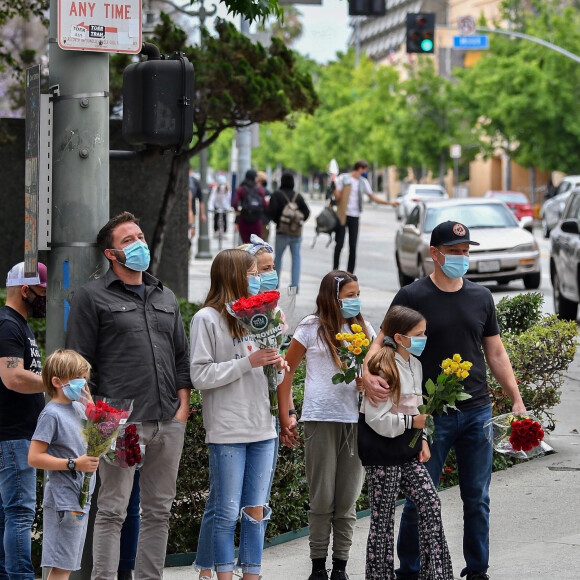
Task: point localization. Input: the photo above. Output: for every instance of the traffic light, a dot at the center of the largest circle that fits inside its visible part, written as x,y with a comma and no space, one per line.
421,32
158,102
367,7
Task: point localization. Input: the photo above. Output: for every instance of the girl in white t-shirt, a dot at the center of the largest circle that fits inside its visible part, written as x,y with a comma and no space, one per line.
385,433
329,416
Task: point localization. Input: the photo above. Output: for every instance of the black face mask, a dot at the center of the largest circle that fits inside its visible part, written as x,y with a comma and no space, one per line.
38,305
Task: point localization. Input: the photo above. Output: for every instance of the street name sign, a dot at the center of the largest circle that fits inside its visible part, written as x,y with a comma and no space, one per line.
99,26
471,42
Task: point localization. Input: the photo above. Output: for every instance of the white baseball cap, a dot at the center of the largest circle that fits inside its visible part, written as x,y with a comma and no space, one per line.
16,276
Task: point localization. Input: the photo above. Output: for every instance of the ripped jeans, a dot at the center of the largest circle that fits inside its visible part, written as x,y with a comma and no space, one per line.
239,475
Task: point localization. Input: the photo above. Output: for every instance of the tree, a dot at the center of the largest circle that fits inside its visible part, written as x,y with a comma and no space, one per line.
237,83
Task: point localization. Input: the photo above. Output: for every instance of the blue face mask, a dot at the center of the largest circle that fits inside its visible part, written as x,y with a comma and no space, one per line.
137,256
364,174
417,344
253,285
73,389
269,281
454,266
350,307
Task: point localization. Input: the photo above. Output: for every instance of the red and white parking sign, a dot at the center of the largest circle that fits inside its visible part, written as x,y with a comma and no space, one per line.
100,25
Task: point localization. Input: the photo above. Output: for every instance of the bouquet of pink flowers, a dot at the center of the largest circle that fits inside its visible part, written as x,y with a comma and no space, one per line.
262,319
103,418
126,450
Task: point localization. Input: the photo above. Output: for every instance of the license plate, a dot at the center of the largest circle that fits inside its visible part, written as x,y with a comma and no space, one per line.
489,266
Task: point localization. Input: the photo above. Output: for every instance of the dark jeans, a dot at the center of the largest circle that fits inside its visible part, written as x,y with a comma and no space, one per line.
463,432
130,529
352,225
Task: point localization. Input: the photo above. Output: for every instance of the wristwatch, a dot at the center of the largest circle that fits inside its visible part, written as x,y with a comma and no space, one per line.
71,464
292,412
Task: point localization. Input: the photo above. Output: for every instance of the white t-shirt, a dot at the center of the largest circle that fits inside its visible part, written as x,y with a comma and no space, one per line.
352,208
324,401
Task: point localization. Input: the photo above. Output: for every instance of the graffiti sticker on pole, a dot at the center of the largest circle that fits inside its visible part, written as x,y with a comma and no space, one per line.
100,26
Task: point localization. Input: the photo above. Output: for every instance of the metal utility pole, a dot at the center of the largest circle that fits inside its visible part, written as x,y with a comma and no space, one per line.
244,134
79,83
203,246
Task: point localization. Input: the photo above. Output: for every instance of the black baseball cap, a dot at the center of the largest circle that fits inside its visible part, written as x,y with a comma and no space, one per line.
449,234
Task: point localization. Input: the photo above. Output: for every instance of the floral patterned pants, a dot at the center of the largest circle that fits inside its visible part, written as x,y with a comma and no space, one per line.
384,483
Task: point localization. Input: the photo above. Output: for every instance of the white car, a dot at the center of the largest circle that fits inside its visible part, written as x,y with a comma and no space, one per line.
553,207
415,193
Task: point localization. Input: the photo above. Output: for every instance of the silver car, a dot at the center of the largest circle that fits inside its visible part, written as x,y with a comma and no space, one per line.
418,192
506,251
552,209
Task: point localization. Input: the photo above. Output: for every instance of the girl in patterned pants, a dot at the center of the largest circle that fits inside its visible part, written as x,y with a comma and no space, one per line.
384,435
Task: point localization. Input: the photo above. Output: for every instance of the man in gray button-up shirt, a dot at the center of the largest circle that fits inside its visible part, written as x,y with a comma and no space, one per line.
128,326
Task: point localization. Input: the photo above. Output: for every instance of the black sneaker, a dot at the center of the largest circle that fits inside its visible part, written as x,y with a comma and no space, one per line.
477,576
319,575
338,575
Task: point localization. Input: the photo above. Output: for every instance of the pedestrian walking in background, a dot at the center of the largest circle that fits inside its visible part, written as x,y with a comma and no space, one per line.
329,416
21,401
219,202
262,180
288,210
350,188
461,318
128,326
227,366
58,447
249,203
392,465
194,198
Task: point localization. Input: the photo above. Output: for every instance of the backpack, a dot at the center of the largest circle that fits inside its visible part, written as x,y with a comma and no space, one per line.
252,206
326,223
291,218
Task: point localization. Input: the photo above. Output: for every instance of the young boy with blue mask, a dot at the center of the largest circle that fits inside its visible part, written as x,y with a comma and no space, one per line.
58,447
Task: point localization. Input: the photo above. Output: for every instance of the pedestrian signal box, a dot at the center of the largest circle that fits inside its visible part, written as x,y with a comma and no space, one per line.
421,32
367,7
158,102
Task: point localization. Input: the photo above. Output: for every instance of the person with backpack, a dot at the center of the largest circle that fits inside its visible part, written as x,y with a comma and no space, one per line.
288,210
249,203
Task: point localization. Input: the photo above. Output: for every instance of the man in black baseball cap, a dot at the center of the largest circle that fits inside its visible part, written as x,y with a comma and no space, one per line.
449,234
461,319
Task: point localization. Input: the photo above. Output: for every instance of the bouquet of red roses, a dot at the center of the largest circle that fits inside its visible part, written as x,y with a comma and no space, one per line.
100,429
517,435
126,451
262,319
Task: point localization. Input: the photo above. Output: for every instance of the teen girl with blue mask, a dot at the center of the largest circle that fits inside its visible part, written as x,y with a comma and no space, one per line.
265,257
329,417
392,465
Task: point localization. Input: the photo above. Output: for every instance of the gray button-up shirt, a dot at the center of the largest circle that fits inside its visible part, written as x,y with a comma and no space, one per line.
137,349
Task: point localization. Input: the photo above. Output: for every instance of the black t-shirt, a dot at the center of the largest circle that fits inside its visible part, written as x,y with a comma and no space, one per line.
456,323
18,412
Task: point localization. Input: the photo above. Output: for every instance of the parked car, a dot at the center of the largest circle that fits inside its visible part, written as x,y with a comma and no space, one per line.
506,252
415,193
518,202
552,208
565,259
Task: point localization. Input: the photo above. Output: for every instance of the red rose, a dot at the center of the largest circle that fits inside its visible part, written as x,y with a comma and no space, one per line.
92,412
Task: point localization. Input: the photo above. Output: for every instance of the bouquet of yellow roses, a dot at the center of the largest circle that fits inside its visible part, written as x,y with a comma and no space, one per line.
442,395
351,354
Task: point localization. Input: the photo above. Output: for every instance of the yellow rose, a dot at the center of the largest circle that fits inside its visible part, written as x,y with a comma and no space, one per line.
458,373
466,365
454,366
356,327
365,342
350,347
357,350
447,371
338,336
357,342
464,374
445,363
457,358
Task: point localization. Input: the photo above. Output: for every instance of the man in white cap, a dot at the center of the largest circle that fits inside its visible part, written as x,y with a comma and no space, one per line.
21,401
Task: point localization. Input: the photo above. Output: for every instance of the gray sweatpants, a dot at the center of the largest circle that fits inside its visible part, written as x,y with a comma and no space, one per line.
335,477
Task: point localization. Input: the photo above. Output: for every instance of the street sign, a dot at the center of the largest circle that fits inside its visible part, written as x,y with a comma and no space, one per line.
455,151
466,25
100,26
472,42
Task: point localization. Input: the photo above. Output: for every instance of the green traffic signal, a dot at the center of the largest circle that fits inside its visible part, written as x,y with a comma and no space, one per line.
427,45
